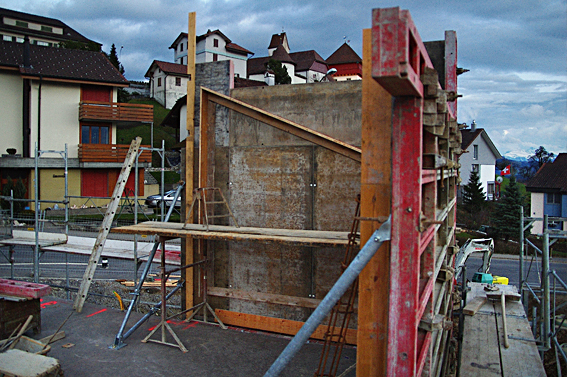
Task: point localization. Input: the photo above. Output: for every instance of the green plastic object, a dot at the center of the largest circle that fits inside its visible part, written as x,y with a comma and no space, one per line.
480,277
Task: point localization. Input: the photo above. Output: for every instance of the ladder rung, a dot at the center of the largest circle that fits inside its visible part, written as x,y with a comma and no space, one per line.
215,202
211,217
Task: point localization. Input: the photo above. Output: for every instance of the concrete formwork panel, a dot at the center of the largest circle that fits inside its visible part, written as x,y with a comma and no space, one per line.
275,180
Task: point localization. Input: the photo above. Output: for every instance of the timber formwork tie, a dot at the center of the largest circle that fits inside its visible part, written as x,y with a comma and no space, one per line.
335,336
205,197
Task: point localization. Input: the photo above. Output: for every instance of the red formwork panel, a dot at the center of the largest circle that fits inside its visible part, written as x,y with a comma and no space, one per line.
23,289
423,201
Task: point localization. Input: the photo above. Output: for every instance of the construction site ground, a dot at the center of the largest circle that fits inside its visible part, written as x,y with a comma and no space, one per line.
212,351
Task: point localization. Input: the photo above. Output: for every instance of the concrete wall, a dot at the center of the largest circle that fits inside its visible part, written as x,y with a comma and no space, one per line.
275,180
11,110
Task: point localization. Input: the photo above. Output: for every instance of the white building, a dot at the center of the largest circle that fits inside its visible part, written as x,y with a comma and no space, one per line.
211,47
302,67
479,155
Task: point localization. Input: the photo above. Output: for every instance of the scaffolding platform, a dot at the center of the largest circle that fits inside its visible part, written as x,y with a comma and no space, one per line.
62,243
230,233
483,349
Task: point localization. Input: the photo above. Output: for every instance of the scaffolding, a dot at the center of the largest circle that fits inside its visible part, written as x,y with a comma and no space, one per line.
547,323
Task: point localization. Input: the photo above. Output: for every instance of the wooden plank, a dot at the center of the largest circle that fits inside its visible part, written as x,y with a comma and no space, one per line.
474,305
151,227
187,252
480,355
53,338
287,236
269,298
375,202
521,359
276,325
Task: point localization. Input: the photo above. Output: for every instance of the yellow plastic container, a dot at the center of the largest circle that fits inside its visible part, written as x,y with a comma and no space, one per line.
499,280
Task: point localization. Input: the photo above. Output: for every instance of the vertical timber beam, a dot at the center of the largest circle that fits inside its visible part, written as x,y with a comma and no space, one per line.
451,70
187,243
372,339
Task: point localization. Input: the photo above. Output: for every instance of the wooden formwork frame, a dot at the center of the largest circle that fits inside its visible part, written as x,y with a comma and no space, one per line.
416,178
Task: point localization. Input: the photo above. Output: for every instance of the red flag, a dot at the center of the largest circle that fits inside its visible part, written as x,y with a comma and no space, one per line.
506,170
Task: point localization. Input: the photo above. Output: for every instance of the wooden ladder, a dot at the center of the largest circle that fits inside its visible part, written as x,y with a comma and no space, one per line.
106,224
200,196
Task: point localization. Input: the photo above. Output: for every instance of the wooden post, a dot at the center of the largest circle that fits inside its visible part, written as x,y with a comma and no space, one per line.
187,250
376,193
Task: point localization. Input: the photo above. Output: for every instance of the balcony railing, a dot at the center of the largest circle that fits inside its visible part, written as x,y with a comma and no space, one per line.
109,153
116,112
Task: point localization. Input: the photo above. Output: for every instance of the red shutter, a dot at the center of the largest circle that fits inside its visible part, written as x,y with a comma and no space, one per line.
94,183
96,93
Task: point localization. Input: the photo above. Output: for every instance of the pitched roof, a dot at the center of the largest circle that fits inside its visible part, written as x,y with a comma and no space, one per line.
343,55
277,40
229,45
169,68
469,136
552,176
60,63
68,32
305,59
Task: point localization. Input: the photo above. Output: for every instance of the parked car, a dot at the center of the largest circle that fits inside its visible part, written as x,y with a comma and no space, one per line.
153,201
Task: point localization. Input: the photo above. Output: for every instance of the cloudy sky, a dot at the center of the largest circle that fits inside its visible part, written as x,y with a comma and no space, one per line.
516,50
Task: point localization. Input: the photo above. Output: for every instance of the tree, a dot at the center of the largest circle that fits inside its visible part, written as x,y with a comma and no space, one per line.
507,219
76,45
113,57
473,194
280,71
541,156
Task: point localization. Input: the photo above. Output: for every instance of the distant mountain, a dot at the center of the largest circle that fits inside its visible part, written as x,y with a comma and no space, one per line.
516,155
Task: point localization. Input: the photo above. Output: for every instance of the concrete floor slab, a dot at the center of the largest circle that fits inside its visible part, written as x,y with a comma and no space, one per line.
212,350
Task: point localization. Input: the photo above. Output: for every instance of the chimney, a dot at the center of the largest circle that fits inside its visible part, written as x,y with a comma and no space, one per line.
473,126
27,54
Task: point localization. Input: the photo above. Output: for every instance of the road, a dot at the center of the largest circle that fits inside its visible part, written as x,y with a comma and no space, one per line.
509,267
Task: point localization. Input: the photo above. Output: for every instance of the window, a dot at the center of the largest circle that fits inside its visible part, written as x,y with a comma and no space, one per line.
22,24
178,81
553,198
215,57
475,152
49,29
215,43
42,43
159,81
475,168
181,47
95,134
8,38
490,188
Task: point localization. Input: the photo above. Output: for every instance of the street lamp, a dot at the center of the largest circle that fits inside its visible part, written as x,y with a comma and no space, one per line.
331,71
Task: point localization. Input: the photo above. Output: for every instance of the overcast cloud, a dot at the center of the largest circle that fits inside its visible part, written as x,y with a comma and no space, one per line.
516,51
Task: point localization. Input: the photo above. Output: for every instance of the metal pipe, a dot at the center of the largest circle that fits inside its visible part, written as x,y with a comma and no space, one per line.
521,271
36,211
545,274
343,283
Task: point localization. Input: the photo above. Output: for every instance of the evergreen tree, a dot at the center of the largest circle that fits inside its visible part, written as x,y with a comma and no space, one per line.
113,57
507,219
473,195
282,77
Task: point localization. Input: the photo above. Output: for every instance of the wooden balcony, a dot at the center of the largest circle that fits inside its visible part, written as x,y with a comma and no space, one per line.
109,153
116,112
